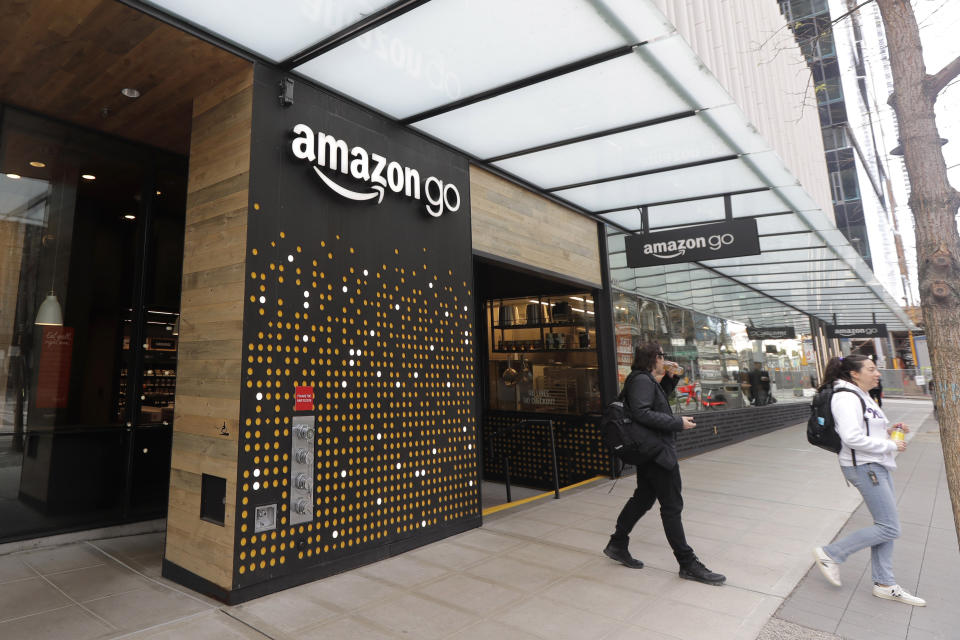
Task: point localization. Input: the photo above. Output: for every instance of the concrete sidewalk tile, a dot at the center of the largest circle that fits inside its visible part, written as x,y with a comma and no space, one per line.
516,574
287,612
403,570
733,601
67,622
213,625
486,540
591,595
347,628
516,524
66,558
349,591
473,594
547,618
487,629
646,581
810,619
633,633
923,634
578,539
154,604
554,557
414,616
851,631
448,555
687,620
26,597
13,568
98,581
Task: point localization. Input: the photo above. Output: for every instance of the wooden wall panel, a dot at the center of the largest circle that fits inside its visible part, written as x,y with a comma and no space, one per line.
211,327
517,225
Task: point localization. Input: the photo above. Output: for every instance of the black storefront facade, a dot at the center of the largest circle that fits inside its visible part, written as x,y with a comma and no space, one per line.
369,324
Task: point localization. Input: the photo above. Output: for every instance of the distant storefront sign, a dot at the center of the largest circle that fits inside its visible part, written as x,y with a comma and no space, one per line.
727,239
857,331
771,333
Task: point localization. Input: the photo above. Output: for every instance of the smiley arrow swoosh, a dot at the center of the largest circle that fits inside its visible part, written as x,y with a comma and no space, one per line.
352,195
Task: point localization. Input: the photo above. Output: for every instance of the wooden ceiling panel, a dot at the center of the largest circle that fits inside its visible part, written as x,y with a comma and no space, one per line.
70,59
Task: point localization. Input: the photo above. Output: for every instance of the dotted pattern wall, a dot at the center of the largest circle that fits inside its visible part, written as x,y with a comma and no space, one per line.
581,453
387,347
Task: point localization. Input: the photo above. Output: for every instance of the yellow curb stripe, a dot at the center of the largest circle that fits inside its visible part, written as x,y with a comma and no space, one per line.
507,505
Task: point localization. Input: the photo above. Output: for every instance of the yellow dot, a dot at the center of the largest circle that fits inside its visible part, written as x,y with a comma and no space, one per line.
256,206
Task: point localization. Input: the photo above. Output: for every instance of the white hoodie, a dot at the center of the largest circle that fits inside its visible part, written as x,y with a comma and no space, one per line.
850,422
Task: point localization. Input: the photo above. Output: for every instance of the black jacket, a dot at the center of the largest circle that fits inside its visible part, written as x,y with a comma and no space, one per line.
647,404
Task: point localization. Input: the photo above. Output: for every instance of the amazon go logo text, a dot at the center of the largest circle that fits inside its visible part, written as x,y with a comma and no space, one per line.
377,172
728,239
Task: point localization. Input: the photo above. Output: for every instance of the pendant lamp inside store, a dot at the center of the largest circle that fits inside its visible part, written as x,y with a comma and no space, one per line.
49,312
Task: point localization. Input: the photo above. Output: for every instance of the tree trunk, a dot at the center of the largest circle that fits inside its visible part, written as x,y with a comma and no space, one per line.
934,204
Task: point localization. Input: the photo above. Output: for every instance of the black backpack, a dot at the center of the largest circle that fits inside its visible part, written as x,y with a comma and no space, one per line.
626,439
821,429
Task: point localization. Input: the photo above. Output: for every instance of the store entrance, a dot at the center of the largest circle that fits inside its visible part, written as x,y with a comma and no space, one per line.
92,229
541,398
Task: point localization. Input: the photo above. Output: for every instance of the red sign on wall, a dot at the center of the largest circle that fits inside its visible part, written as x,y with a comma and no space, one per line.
303,399
53,371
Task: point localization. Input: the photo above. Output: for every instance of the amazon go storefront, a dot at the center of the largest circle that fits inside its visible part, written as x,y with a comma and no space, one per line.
305,351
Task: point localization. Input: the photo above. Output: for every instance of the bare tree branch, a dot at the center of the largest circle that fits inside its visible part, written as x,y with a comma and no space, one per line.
939,80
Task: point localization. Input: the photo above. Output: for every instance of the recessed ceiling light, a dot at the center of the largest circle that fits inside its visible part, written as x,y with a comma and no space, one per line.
88,176
37,164
130,92
129,216
13,176
159,192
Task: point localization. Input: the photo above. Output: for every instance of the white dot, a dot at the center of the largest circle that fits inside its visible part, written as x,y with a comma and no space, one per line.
372,332
343,474
352,352
351,363
344,384
434,452
379,501
256,473
379,374
256,485
464,307
471,483
259,396
345,288
399,465
263,299
398,384
423,523
416,375
448,385
379,436
423,472
359,353
335,534
289,258
306,294
364,272
430,285
469,447
306,305
466,333
306,338
431,347
416,474
446,314
464,429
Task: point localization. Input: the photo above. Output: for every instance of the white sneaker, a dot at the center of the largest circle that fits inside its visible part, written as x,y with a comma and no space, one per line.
829,568
897,593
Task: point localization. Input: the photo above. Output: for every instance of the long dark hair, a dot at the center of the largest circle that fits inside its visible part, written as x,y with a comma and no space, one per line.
840,368
645,356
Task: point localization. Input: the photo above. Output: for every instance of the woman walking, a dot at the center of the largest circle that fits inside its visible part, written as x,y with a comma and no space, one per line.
866,459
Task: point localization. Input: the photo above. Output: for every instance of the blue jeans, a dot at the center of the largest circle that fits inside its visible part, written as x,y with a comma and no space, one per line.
882,502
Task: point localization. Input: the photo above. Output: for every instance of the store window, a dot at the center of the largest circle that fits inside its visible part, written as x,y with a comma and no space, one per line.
721,367
543,354
91,236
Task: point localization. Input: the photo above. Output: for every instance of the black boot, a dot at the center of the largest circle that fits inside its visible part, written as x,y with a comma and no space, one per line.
621,555
696,571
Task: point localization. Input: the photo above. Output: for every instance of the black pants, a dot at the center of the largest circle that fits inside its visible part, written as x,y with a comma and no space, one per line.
656,483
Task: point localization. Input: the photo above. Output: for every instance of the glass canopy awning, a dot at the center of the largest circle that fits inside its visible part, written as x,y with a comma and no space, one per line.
599,104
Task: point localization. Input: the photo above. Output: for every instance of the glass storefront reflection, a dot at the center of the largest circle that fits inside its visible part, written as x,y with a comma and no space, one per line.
75,250
722,367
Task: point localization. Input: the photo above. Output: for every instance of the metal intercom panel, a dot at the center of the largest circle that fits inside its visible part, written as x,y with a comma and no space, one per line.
302,453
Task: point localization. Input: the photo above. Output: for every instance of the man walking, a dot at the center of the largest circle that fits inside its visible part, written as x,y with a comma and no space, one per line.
658,478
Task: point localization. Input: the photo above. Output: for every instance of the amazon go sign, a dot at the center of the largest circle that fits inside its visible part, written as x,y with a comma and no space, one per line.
372,173
727,239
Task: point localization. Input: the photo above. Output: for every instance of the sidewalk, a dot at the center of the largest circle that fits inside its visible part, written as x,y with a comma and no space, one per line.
753,511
